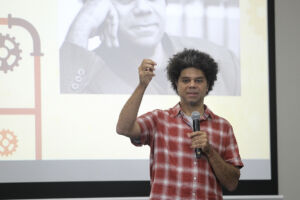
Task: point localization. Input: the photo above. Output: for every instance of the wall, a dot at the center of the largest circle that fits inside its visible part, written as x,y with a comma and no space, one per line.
288,82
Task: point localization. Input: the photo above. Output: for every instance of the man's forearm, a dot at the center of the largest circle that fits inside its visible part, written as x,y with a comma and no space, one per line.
128,115
79,33
227,174
127,124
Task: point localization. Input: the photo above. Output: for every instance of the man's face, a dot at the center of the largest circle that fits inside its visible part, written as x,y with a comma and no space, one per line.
141,22
192,86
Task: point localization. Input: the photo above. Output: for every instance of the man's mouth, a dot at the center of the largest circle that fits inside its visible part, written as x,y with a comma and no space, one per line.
144,25
145,28
192,94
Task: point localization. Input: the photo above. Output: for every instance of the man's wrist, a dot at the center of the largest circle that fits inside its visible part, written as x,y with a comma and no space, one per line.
209,152
80,31
78,37
142,86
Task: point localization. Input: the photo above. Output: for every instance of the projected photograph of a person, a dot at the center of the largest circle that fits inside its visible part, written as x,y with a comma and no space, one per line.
108,38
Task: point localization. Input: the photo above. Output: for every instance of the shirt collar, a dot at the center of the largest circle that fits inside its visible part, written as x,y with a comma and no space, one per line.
176,111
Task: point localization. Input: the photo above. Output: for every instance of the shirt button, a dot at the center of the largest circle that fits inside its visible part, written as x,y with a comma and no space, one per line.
194,194
81,71
78,78
195,178
75,86
195,163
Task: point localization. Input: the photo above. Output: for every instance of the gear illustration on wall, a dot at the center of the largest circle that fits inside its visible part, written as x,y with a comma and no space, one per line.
9,53
8,143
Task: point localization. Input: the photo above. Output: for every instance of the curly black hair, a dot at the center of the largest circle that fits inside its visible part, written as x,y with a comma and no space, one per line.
192,58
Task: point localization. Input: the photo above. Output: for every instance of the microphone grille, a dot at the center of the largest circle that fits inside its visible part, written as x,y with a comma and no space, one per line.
195,115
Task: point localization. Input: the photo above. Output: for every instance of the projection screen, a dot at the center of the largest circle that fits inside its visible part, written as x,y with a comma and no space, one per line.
64,79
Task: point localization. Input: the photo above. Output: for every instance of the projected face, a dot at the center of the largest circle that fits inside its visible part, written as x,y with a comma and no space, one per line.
142,22
192,86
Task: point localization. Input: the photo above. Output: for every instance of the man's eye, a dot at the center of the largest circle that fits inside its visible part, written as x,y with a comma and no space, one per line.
185,80
199,80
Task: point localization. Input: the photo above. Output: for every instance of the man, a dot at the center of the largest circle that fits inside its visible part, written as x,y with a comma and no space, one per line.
175,171
130,31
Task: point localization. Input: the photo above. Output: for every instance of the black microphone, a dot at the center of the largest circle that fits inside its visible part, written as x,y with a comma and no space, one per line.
196,127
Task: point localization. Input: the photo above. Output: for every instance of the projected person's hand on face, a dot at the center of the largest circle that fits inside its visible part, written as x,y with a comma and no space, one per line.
134,22
95,17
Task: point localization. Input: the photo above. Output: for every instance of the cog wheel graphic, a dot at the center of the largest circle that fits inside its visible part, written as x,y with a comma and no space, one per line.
9,53
8,142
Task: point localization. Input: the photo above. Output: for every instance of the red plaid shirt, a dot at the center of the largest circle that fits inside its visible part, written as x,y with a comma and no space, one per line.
174,170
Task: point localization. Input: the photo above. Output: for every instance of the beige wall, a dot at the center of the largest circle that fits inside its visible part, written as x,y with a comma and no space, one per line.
288,96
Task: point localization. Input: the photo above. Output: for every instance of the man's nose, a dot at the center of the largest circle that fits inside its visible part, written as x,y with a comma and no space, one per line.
141,7
192,83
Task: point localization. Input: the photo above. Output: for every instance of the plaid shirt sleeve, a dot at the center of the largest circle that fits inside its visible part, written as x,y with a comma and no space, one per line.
147,123
231,154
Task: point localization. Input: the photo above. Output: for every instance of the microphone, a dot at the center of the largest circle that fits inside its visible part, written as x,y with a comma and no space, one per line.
196,127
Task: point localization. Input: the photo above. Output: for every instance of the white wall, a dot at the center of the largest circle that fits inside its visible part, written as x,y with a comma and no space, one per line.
288,87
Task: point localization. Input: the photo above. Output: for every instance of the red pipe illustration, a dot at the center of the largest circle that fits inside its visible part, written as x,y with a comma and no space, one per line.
37,110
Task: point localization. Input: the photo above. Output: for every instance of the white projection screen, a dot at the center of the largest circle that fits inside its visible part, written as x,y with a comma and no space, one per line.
64,78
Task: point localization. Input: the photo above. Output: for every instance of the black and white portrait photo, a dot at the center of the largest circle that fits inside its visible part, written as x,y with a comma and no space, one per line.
104,43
